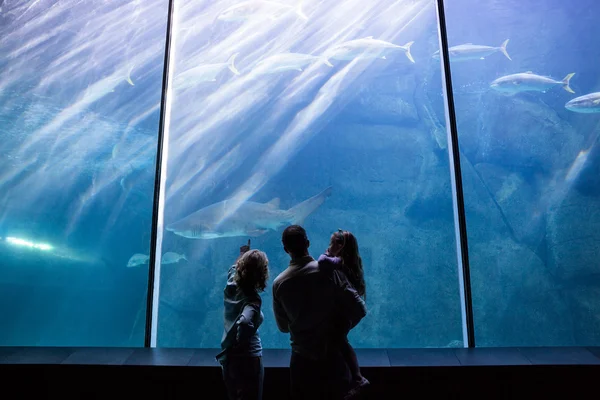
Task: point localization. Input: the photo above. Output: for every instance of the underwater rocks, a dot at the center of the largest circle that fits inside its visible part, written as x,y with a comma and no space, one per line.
381,109
381,102
516,131
573,239
533,249
585,311
515,301
403,263
432,197
517,200
485,221
515,298
186,293
379,165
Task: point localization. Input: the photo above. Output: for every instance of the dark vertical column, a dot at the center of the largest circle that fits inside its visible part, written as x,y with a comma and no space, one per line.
157,180
454,154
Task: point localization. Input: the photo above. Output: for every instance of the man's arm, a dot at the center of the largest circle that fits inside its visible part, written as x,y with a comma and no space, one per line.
280,316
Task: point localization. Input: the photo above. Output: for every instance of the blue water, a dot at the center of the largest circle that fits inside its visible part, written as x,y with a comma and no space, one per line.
80,89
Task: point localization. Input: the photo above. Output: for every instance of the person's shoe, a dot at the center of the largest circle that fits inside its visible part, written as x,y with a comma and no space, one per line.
357,390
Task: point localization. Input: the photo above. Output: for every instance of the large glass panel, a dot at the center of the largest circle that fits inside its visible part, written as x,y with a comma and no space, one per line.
280,102
529,155
80,89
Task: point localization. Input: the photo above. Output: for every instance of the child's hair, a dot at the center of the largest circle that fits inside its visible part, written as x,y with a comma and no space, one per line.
252,271
351,260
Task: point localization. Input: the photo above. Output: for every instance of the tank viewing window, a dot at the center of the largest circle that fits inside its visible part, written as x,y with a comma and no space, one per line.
527,100
327,114
80,88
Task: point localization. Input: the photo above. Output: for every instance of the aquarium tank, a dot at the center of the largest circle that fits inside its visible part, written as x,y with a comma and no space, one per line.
328,114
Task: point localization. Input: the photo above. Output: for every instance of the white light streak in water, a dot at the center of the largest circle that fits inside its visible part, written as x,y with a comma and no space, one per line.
27,243
94,70
237,118
78,82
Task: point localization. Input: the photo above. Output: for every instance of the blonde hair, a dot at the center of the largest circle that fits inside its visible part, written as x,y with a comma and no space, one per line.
252,271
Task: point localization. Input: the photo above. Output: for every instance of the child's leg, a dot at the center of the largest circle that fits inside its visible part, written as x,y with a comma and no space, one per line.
351,360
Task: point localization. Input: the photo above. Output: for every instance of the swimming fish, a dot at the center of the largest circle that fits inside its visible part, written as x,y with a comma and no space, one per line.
367,48
527,82
249,219
470,51
204,73
590,103
258,9
288,62
137,259
172,258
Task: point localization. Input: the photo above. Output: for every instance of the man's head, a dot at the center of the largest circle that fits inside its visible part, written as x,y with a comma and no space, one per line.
295,242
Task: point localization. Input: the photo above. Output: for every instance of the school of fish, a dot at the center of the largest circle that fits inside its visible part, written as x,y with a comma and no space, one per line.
524,81
255,219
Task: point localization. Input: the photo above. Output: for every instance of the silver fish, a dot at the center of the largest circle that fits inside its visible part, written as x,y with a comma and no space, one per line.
470,51
367,48
204,73
590,103
172,258
137,259
288,62
527,82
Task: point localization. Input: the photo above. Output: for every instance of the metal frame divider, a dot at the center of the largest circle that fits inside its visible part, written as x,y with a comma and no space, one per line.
460,223
159,191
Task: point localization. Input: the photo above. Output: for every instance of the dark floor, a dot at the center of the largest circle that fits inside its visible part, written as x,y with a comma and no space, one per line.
100,373
276,358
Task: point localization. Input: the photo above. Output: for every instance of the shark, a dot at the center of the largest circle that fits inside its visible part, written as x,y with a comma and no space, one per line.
221,220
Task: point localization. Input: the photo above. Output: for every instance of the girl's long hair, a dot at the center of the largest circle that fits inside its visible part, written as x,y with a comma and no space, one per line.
352,261
252,271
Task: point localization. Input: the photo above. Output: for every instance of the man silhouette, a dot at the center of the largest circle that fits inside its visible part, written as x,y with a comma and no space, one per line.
307,302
